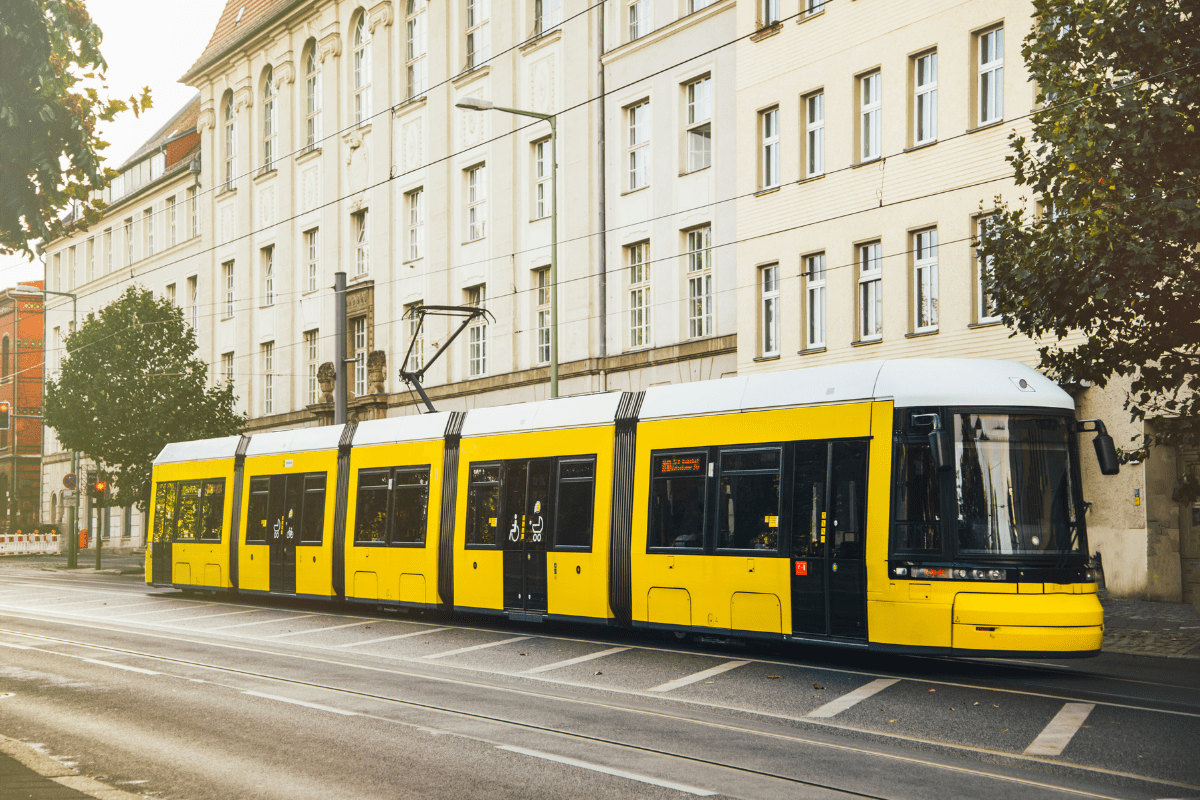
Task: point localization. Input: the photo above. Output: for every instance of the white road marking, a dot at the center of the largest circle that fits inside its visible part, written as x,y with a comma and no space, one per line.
317,706
478,647
574,762
121,666
132,605
313,630
15,646
699,676
571,661
835,707
1057,735
259,622
207,616
389,638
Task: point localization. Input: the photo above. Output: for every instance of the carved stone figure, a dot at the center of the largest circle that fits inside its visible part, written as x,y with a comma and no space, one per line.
376,369
326,376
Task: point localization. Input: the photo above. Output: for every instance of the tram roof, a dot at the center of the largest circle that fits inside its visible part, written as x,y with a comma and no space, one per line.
296,440
410,428
581,411
199,450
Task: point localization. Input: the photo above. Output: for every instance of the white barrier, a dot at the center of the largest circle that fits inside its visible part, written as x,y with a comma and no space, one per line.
14,544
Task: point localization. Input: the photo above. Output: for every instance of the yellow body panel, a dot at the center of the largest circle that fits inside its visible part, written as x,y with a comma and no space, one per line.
1029,638
195,563
1045,610
568,593
396,568
314,571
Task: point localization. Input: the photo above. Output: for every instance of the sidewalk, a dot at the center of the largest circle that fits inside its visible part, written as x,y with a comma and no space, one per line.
112,562
27,773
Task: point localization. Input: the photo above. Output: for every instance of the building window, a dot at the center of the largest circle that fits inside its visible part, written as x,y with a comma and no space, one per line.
4,350
147,230
129,241
770,148
414,54
477,333
227,279
362,242
193,293
57,282
814,135
699,5
813,7
639,19
193,213
230,142
541,179
416,358
169,293
358,341
871,88
639,145
770,309
72,276
268,267
770,12
108,251
699,124
270,122
91,259
227,367
416,223
547,15
925,99
479,42
991,76
639,294
476,203
925,280
268,356
312,99
870,292
310,352
172,230
362,71
312,256
814,277
985,226
543,315
57,340
699,278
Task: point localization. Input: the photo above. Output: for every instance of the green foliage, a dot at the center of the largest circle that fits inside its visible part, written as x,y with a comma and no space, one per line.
130,384
51,80
1116,155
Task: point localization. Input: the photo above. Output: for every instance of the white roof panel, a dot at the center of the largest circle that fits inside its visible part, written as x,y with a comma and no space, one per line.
199,450
411,428
298,440
567,412
837,383
968,382
692,399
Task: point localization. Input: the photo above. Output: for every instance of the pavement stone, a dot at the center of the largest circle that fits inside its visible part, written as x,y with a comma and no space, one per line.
27,773
1143,627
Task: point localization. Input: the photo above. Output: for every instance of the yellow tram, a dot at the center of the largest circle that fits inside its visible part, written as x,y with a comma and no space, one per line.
926,506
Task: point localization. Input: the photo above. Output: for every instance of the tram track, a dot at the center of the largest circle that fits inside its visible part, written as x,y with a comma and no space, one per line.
727,725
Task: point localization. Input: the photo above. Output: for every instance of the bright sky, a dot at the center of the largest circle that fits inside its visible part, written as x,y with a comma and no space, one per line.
146,42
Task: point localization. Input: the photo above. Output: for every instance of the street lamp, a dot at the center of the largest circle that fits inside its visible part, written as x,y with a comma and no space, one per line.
476,104
72,533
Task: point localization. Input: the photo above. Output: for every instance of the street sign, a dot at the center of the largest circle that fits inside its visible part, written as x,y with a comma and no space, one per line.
71,497
70,481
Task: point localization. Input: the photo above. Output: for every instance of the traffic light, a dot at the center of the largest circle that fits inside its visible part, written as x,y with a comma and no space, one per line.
97,486
5,412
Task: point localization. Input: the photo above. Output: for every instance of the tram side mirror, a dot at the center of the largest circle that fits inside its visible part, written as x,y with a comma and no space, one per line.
939,443
1106,451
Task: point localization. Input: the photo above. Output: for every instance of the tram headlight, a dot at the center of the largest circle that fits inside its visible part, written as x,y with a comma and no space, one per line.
995,574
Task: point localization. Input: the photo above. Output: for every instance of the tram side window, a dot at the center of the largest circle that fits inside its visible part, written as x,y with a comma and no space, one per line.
483,505
258,510
212,508
918,512
748,500
164,511
573,507
188,517
410,505
677,513
808,498
314,509
370,524
848,499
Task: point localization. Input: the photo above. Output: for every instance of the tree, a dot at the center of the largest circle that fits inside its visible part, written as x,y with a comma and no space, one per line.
131,383
51,79
1114,157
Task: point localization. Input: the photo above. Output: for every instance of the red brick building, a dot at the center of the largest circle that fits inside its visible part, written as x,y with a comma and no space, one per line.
21,360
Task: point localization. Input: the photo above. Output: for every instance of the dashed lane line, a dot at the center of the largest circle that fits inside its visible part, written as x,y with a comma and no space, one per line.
204,616
125,667
620,773
835,707
389,638
572,661
15,646
1057,735
315,630
260,622
306,704
477,647
698,676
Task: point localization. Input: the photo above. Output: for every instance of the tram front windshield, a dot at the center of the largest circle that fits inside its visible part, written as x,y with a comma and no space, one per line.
1014,485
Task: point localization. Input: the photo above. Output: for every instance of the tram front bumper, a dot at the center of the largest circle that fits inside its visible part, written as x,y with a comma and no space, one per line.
1032,623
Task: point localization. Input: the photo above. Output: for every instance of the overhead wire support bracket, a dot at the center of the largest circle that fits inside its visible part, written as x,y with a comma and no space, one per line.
468,314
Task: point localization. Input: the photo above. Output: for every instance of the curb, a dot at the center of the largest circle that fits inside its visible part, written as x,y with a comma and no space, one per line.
61,774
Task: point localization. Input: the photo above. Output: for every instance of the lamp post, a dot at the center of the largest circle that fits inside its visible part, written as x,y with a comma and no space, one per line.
476,104
72,533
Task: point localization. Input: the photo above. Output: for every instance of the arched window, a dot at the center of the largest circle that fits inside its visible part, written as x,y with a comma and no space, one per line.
270,124
312,91
414,55
362,71
4,369
230,141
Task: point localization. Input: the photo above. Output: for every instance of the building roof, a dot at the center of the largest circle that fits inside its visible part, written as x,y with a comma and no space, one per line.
182,122
236,22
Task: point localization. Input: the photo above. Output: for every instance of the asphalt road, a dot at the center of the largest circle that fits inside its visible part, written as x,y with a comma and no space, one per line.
200,697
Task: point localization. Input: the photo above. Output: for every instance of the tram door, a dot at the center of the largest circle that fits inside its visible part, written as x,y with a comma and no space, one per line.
164,531
526,513
829,587
284,531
